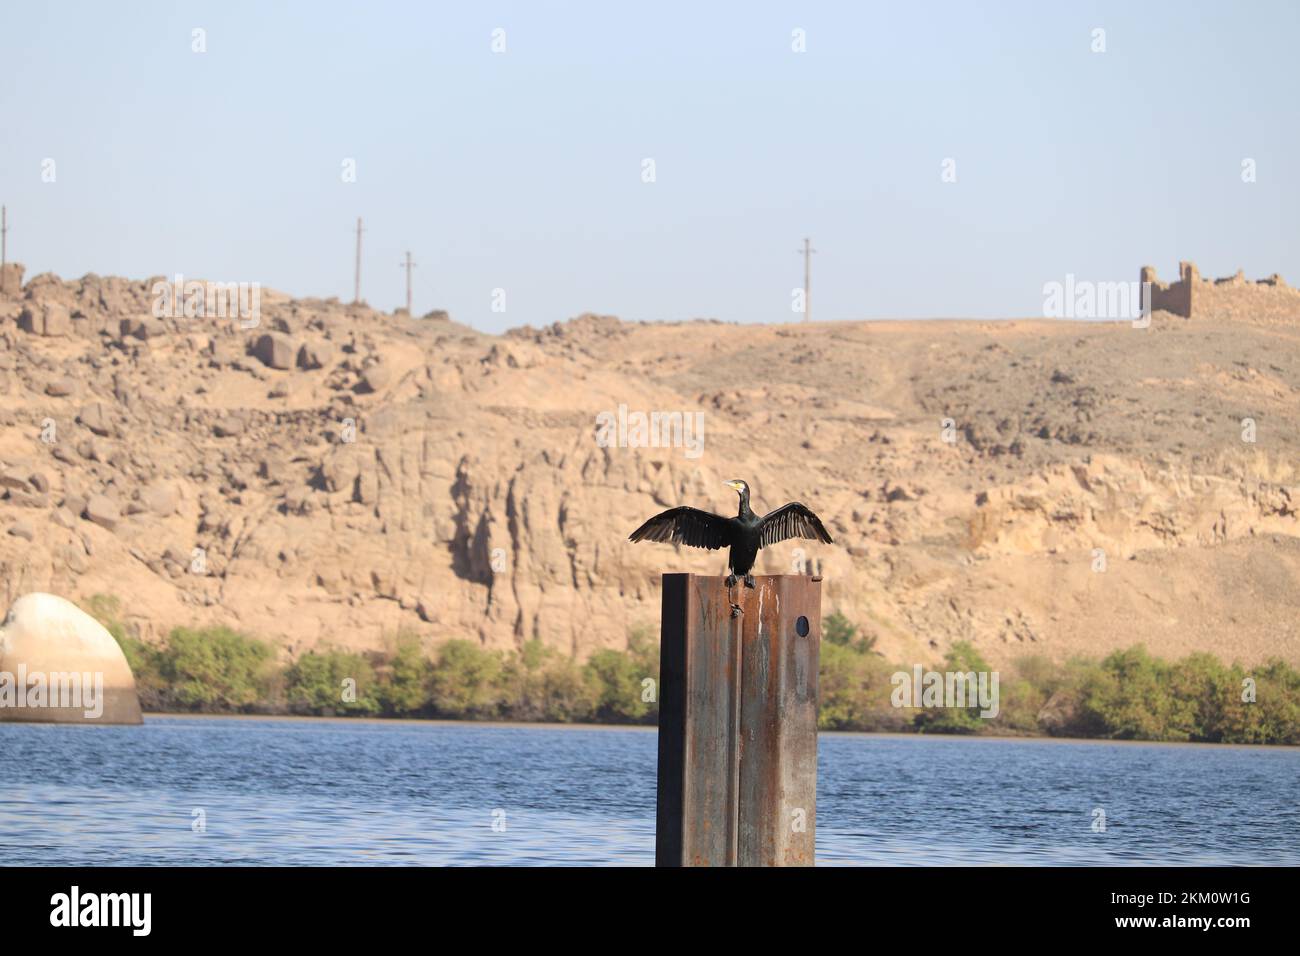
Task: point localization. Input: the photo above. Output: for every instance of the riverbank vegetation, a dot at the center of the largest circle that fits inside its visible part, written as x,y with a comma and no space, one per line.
1128,695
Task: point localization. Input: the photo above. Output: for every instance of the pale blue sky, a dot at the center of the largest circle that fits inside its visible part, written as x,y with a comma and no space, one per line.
522,170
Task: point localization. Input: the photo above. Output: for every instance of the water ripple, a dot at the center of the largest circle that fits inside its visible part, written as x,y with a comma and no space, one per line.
402,793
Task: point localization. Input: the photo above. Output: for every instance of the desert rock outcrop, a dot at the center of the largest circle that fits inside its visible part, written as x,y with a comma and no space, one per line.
338,475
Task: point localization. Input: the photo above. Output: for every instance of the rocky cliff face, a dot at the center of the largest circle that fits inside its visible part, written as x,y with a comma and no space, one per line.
335,475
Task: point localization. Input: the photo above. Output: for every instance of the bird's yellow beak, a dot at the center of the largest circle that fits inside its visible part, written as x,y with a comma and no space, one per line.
735,486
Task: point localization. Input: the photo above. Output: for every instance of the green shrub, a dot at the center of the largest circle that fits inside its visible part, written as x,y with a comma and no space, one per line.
406,691
1205,686
465,681
837,630
568,694
1021,699
855,689
1128,695
964,658
523,682
540,683
840,631
215,668
842,703
617,678
1274,716
329,683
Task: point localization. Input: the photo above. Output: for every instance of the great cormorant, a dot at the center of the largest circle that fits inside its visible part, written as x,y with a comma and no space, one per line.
744,534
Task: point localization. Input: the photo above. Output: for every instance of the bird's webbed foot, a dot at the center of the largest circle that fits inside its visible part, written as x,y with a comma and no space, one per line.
731,580
749,581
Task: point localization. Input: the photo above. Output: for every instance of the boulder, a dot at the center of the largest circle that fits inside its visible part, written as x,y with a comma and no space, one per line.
59,665
46,318
61,387
339,471
275,350
367,490
15,480
74,504
23,498
74,558
95,417
315,355
103,511
161,498
229,426
144,329
376,377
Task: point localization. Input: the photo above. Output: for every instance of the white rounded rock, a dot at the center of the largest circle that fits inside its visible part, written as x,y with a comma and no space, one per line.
59,665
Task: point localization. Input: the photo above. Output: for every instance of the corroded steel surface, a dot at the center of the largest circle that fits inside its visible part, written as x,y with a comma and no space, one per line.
738,722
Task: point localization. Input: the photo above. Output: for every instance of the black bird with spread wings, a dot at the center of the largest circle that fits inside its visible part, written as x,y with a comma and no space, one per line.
745,534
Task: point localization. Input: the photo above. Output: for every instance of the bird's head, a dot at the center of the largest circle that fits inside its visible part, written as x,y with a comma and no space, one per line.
739,487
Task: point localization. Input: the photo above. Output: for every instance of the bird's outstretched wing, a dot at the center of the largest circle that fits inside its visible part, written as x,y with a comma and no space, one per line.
690,526
793,520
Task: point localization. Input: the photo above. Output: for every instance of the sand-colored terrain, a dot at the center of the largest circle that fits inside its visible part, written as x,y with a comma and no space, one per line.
170,463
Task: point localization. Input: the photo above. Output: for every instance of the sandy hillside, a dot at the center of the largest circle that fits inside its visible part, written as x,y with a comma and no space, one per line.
477,501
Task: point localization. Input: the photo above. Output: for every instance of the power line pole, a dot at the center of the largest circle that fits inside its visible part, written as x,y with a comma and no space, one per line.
356,294
409,266
807,251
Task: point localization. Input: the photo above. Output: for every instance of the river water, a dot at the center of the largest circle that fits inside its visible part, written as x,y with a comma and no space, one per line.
216,790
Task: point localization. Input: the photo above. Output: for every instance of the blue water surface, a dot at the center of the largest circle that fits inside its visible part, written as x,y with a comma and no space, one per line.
218,790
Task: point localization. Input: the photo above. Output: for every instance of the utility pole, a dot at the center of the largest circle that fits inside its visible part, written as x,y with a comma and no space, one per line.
807,251
4,234
356,295
409,266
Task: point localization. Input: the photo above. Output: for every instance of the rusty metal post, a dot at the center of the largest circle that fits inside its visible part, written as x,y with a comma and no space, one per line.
738,722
